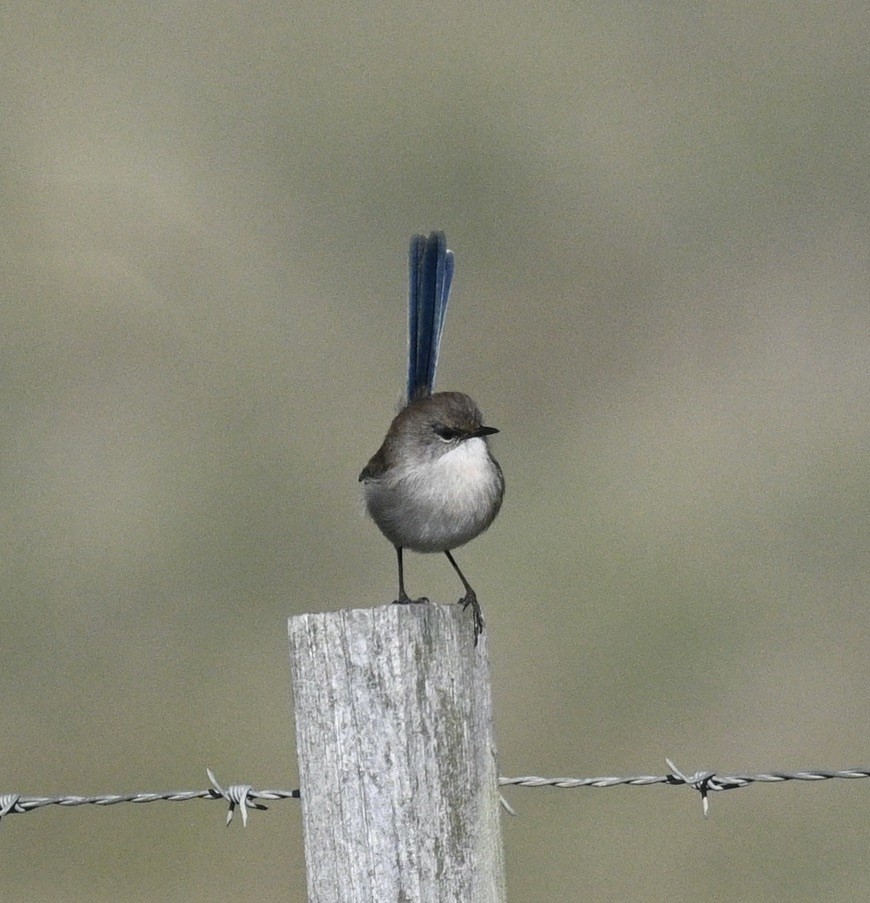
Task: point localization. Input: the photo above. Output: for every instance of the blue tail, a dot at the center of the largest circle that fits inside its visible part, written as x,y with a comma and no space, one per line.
431,272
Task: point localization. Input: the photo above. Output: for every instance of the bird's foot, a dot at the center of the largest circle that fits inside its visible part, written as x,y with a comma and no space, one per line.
405,599
470,598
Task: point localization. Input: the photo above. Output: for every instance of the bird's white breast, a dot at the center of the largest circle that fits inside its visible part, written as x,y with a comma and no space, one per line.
440,503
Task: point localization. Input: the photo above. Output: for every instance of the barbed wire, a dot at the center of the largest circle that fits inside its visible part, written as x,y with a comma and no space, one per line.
705,782
244,797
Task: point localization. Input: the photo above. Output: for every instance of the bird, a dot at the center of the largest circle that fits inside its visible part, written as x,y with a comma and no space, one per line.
433,485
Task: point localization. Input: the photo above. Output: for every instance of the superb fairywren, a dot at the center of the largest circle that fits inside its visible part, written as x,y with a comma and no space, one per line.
433,484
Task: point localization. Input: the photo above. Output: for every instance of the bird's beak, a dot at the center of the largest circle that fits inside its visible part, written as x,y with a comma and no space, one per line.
482,431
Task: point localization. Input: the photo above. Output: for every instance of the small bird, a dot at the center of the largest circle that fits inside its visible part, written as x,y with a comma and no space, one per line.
433,485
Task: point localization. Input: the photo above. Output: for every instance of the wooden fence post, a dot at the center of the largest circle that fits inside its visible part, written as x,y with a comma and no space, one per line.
397,763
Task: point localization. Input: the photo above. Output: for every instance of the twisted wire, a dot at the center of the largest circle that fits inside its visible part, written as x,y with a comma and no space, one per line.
244,798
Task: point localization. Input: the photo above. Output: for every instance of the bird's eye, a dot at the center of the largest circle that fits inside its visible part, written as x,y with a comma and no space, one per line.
448,434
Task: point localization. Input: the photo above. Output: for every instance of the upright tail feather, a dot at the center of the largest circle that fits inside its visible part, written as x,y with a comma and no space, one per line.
430,274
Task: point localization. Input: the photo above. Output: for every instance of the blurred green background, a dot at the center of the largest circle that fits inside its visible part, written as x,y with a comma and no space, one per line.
660,218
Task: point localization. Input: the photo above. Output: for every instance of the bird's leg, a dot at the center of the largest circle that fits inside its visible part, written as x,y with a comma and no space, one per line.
470,598
404,598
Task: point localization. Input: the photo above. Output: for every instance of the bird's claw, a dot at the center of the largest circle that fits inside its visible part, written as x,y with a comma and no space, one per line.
407,600
470,599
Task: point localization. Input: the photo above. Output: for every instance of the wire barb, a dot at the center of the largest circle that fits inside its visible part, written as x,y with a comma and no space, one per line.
236,795
700,780
9,803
